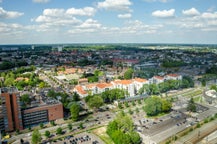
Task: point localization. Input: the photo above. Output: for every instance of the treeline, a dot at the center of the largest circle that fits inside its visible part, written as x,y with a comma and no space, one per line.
172,63
153,89
110,96
9,65
121,130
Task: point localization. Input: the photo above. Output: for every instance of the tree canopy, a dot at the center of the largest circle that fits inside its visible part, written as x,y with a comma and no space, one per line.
155,105
75,109
191,105
128,74
36,137
95,102
121,130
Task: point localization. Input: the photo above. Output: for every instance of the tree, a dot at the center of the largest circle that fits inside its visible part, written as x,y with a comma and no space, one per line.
9,81
69,126
75,97
25,99
52,123
155,105
81,125
121,130
59,131
41,125
128,74
95,102
191,105
36,137
75,109
135,138
166,105
47,134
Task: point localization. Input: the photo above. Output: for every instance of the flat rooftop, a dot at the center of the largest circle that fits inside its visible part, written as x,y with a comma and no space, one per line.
8,90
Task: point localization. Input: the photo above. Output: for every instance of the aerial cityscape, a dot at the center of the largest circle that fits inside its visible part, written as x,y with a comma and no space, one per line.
108,72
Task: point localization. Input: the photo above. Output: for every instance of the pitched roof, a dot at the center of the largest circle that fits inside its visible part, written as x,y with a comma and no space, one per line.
90,86
140,80
80,89
103,85
173,75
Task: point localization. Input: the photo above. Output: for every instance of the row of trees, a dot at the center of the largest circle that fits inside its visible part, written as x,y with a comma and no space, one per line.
153,89
121,130
172,63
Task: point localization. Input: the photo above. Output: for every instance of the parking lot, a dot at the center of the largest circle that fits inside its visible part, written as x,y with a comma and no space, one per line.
82,138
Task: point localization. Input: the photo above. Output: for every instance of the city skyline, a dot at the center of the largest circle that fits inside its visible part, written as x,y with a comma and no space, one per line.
108,21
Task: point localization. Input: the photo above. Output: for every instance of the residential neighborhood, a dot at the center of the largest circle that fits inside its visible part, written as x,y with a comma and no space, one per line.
61,91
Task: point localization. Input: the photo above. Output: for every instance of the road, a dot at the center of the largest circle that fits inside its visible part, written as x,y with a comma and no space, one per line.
98,119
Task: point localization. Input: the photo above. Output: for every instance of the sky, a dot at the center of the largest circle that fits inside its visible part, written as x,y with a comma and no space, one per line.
108,21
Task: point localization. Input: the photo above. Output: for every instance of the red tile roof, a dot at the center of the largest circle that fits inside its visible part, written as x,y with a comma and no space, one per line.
140,80
80,90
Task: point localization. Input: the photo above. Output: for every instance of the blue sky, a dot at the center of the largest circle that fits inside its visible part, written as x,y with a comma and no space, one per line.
108,21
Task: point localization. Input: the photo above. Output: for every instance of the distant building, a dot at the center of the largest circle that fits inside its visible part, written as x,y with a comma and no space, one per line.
60,49
132,86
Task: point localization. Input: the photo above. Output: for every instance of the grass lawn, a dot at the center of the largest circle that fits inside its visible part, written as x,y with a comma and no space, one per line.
101,133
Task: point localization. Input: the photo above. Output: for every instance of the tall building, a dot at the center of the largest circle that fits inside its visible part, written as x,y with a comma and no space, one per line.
10,111
12,117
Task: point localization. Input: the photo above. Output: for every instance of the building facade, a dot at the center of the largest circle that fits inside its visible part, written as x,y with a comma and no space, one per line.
12,117
10,109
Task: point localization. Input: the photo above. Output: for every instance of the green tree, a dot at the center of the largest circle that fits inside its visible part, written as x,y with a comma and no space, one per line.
52,123
166,105
41,125
81,125
75,97
59,131
69,126
128,74
153,106
25,99
9,81
95,102
47,134
121,130
191,105
36,137
75,109
135,138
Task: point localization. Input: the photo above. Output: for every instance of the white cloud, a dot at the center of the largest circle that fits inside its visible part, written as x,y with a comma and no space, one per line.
120,5
163,1
164,13
191,12
41,1
208,15
127,15
90,23
87,11
1,1
9,14
54,12
55,16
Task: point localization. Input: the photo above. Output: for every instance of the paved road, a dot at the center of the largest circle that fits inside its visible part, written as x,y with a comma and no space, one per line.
198,133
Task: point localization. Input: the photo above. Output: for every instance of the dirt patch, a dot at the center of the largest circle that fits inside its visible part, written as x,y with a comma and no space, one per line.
100,131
